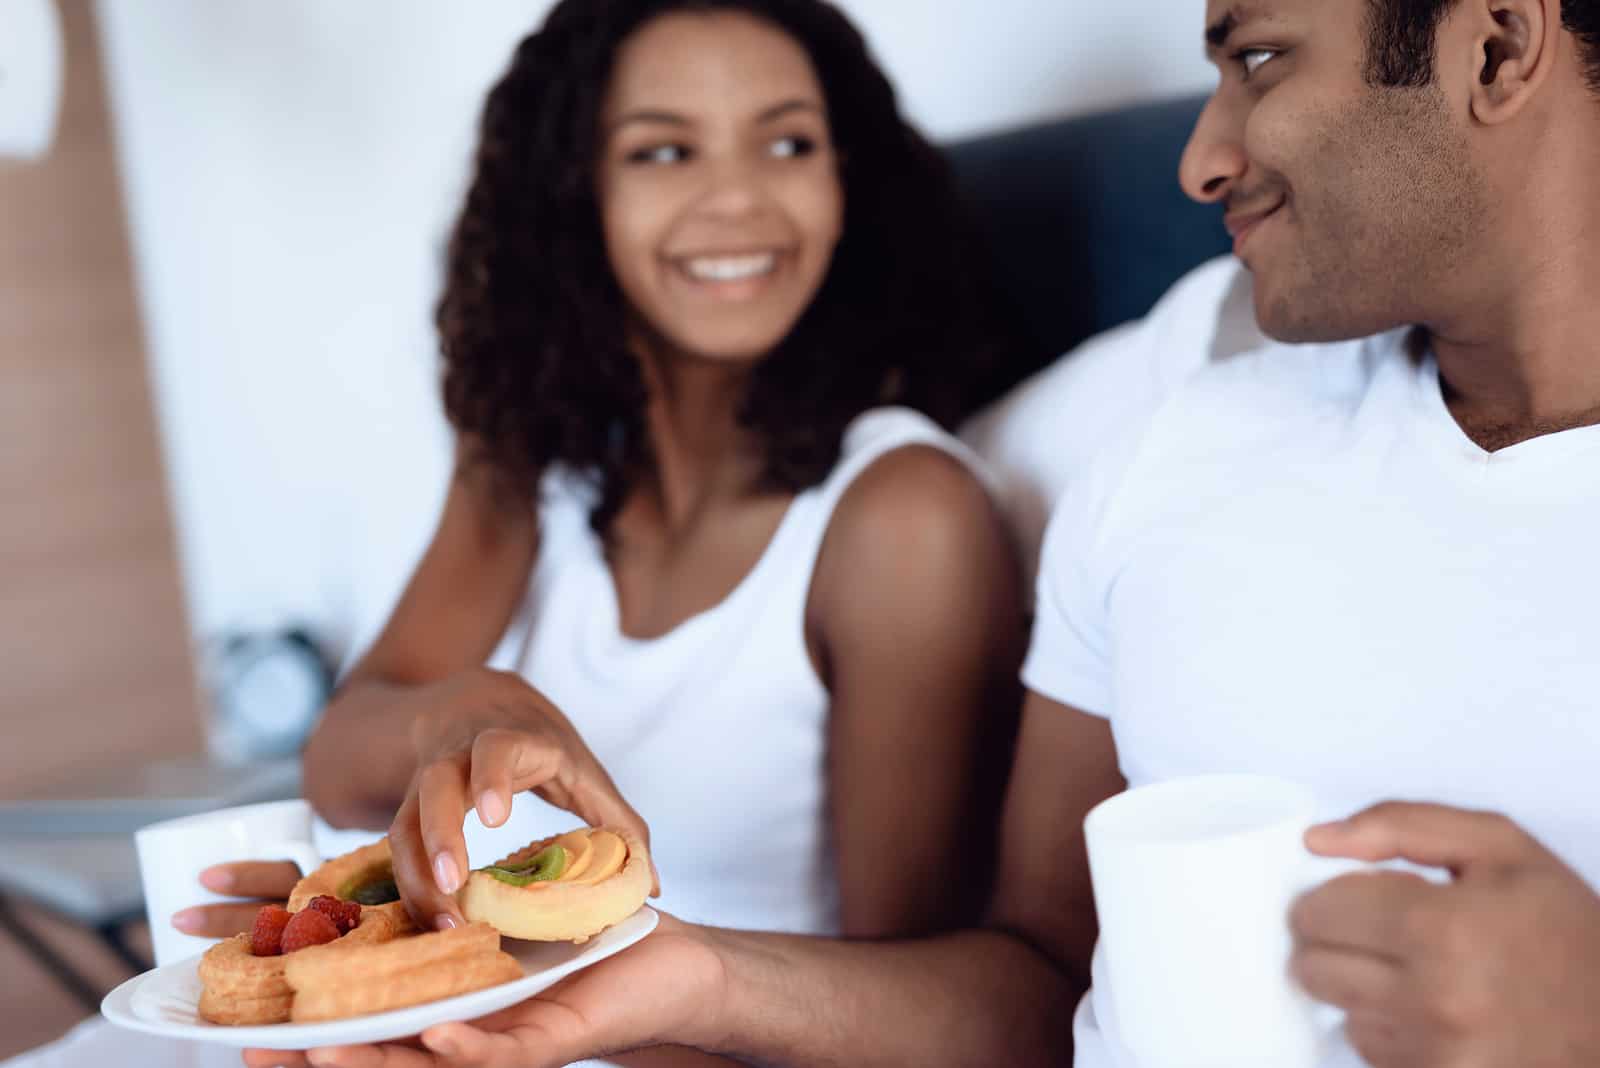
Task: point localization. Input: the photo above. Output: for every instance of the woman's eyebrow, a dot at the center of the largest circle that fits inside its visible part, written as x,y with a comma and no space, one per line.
788,107
666,118
658,117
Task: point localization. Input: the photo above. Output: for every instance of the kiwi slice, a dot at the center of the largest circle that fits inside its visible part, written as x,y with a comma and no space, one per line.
375,886
543,867
377,892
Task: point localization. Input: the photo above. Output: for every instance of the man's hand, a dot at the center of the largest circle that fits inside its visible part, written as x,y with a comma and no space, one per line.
664,990
1498,969
258,882
481,737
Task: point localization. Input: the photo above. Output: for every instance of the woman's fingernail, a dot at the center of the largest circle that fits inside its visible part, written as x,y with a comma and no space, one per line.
446,874
219,879
188,920
442,1046
491,809
446,922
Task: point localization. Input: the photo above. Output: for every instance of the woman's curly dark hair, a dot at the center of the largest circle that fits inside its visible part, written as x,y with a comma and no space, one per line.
536,368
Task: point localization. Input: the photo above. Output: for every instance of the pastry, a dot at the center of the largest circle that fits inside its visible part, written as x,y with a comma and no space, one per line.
333,982
365,876
243,978
563,889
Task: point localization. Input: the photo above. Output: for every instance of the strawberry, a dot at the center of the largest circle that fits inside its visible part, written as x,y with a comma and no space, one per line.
266,937
345,914
308,927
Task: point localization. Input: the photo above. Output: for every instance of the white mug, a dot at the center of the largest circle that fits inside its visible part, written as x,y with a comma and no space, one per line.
172,854
1193,881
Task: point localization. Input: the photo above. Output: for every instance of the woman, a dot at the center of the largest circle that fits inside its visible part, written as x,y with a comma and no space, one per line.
701,251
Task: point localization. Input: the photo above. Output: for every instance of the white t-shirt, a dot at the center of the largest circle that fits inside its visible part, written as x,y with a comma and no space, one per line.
1297,564
1042,433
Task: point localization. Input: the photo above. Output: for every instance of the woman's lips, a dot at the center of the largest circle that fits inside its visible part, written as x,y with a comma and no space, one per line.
736,277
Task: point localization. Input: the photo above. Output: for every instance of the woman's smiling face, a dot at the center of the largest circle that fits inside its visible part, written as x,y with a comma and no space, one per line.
718,184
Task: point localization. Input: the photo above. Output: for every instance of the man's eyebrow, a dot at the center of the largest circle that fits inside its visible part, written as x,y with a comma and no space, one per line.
1218,32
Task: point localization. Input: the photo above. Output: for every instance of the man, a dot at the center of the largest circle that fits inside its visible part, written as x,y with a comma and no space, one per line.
1365,564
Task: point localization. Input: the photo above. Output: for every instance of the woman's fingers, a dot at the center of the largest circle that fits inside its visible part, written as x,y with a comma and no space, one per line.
596,799
413,868
218,921
493,763
545,756
600,803
442,801
560,770
564,773
270,879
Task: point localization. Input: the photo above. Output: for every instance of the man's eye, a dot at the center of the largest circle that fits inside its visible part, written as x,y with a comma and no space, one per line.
659,154
791,147
1252,60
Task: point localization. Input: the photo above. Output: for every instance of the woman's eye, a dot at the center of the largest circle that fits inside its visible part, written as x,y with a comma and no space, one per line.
1253,59
659,154
791,147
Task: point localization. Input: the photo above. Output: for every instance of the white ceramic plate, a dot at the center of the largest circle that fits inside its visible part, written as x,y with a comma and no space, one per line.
166,1001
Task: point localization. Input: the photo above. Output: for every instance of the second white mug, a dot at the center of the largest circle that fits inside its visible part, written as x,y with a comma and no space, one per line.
1193,881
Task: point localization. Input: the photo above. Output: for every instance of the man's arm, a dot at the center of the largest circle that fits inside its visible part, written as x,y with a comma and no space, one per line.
1004,994
1001,995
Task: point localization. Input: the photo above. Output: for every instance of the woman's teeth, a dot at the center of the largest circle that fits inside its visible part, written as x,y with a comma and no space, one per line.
730,268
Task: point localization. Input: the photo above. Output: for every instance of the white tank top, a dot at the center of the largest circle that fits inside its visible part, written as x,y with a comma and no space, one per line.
716,731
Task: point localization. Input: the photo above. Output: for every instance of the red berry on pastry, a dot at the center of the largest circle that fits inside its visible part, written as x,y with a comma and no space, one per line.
346,915
266,937
308,927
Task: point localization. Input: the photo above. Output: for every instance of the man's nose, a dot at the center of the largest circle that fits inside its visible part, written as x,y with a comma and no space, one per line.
1214,160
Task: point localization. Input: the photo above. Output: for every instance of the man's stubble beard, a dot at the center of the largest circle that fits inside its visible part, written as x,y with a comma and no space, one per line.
1387,229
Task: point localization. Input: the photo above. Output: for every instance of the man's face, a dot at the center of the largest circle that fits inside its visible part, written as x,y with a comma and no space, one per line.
1354,206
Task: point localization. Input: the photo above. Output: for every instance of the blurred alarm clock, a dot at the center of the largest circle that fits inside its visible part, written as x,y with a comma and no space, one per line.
268,691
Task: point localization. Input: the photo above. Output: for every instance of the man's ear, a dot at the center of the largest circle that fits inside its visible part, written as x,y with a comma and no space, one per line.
1514,45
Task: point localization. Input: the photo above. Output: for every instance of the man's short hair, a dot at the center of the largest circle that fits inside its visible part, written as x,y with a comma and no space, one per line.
1402,39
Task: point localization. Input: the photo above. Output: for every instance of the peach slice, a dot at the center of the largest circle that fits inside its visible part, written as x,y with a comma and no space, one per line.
609,854
580,851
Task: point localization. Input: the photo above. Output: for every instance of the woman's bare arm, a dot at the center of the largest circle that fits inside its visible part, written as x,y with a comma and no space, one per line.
917,611
453,612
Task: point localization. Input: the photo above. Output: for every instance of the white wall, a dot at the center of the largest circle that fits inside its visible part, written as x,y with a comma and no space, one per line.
292,168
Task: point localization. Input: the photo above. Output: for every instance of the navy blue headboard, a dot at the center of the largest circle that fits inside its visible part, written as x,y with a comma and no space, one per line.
1085,223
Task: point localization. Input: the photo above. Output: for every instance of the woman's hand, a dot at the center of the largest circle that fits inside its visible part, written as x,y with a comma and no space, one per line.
262,882
481,737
